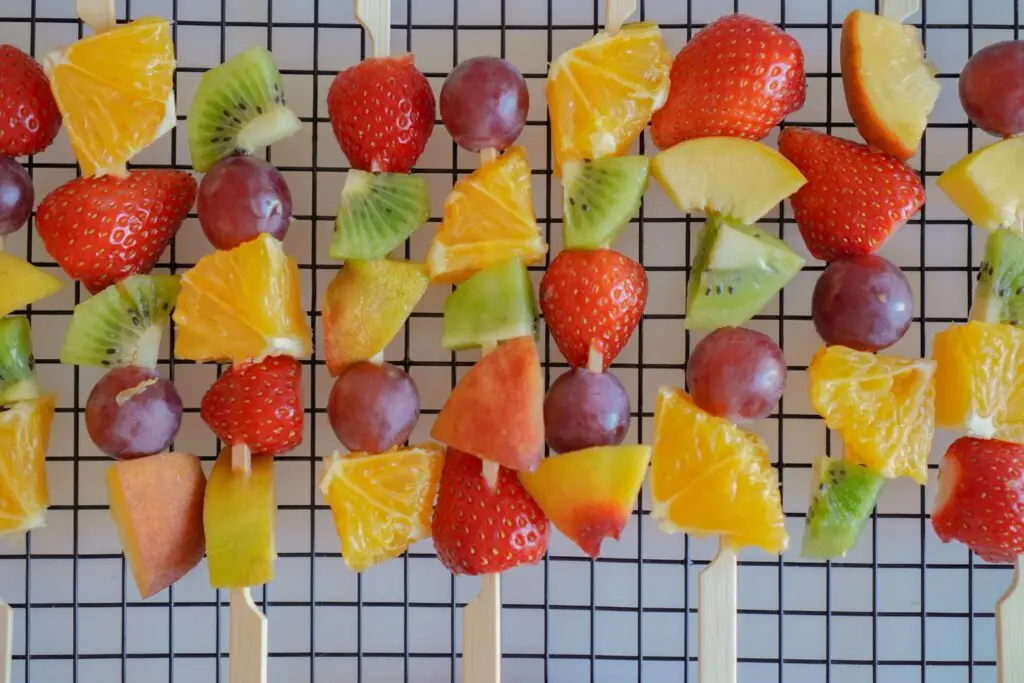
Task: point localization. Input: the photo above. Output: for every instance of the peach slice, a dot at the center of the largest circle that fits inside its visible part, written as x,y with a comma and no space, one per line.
589,494
157,505
986,185
890,87
239,522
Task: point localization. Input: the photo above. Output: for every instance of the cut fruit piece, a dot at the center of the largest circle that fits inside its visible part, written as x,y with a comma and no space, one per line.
494,305
488,218
24,284
589,494
843,494
601,94
734,177
890,86
366,305
238,518
123,324
980,380
242,304
985,185
239,107
708,476
24,438
600,199
382,503
17,365
378,212
999,296
157,506
116,93
882,406
496,411
737,271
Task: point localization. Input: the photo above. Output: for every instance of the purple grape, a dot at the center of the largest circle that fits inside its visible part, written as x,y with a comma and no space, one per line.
240,198
133,412
736,373
992,88
373,407
864,303
584,409
484,102
16,196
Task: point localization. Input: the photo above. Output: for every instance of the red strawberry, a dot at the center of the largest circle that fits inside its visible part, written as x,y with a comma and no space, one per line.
855,197
592,299
980,501
480,531
101,230
382,112
739,76
29,118
258,404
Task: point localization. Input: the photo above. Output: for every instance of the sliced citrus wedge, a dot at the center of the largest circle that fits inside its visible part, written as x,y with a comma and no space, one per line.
24,438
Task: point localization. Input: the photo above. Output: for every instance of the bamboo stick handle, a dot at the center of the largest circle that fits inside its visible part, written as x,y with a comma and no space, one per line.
717,619
899,10
247,641
1010,631
616,12
375,16
6,641
99,15
481,634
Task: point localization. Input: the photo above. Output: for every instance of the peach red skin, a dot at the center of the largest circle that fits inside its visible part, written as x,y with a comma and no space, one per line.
985,507
29,117
382,112
855,197
739,77
101,230
478,531
592,297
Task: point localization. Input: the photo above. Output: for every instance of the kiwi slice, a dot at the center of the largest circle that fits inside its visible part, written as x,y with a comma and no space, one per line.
17,366
494,305
842,497
738,269
999,297
123,324
378,212
239,107
601,197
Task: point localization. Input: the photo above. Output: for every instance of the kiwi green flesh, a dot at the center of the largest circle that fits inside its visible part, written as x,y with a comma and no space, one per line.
842,498
999,296
123,324
378,212
17,366
600,199
737,271
239,107
492,306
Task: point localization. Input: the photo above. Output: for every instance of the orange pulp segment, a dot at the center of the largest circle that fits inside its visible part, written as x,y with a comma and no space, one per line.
708,476
980,380
882,406
242,304
115,91
24,438
23,283
601,94
382,503
488,218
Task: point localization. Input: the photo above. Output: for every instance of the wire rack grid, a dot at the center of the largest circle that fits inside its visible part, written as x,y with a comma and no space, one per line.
902,607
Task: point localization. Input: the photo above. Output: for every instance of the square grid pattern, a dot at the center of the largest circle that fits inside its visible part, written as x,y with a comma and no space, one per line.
901,607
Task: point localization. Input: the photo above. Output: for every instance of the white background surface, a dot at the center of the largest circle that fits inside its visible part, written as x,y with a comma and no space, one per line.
902,607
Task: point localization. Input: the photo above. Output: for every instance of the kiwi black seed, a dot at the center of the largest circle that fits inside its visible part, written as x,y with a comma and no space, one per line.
17,366
239,108
378,212
843,494
123,324
999,296
601,197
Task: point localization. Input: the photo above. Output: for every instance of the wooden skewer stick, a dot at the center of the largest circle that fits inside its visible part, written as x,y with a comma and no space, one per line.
375,16
717,618
99,15
1010,631
6,641
616,12
900,10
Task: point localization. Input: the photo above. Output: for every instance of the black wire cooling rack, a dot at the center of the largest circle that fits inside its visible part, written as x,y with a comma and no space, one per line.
901,608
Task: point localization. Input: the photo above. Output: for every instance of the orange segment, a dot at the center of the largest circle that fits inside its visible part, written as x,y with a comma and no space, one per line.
116,92
980,380
382,503
23,283
24,438
241,304
488,218
601,94
883,407
708,476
